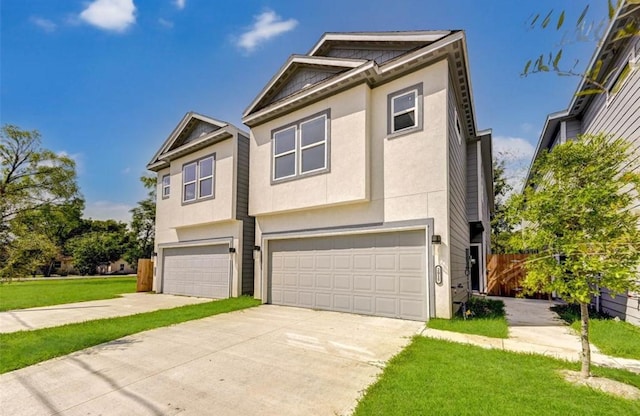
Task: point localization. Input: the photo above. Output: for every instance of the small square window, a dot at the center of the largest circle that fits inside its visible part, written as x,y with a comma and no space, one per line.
405,110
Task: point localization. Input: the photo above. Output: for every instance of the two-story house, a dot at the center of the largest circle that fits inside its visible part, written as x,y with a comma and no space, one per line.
204,237
615,111
370,183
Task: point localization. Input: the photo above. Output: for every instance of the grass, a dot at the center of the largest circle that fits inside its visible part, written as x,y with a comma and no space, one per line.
438,377
612,337
24,348
31,294
485,317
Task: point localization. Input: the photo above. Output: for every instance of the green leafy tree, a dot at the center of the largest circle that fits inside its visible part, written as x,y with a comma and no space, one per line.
501,228
26,255
143,224
576,216
584,30
92,249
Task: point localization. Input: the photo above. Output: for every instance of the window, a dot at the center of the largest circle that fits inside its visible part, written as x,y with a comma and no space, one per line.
166,186
301,149
197,179
621,74
458,128
405,110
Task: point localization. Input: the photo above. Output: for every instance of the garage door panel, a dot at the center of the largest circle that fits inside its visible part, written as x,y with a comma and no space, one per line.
380,274
196,271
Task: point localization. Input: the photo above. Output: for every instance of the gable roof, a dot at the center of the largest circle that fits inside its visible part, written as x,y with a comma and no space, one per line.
192,133
606,52
415,50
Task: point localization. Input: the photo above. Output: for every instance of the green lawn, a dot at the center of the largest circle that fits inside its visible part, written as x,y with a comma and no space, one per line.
489,327
437,377
615,338
24,348
30,294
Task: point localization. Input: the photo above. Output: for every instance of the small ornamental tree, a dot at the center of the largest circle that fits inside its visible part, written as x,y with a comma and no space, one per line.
575,216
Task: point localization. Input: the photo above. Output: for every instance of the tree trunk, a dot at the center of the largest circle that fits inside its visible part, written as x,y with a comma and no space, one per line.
584,337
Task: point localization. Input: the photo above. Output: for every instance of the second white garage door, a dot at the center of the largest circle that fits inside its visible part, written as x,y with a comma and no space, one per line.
380,274
196,271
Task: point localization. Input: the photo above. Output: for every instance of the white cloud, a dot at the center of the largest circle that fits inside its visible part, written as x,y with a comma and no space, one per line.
516,153
265,26
112,15
180,4
44,24
166,23
126,171
108,210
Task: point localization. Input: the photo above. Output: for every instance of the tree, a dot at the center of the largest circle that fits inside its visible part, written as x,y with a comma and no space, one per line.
56,223
589,31
143,224
576,216
500,227
31,177
26,255
95,248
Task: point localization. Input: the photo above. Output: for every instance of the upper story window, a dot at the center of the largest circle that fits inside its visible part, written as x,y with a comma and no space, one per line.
405,110
458,128
301,148
621,74
166,186
197,179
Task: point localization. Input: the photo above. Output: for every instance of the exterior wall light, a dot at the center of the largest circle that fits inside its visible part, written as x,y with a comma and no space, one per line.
232,249
436,239
256,248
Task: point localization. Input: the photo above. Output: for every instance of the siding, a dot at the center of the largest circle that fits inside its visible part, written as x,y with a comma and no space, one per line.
472,181
621,118
573,129
242,209
459,225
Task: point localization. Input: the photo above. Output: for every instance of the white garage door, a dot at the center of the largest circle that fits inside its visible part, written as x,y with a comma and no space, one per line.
380,274
196,271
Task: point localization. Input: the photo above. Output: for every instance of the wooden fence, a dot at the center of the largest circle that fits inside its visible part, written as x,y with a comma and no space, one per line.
506,273
145,275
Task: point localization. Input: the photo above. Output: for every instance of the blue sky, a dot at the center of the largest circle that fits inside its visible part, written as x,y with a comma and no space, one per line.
106,81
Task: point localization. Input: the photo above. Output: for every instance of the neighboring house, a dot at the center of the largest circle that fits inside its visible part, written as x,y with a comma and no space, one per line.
119,266
370,182
616,112
204,237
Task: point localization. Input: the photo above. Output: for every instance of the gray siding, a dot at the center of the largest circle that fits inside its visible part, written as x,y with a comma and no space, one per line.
620,117
472,181
573,129
378,55
242,213
302,78
458,223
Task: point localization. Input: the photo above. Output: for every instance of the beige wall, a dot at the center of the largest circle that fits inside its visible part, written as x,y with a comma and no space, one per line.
373,178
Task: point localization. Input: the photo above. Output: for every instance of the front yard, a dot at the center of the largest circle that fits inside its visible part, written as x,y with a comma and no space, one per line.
438,377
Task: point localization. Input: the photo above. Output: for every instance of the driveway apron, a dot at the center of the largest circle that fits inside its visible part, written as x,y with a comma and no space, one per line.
268,360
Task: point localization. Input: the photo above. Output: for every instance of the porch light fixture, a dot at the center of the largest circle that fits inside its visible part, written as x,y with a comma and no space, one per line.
436,239
232,249
256,248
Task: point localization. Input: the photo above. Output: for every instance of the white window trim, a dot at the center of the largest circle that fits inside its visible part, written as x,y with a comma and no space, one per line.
298,148
166,186
458,127
294,151
198,180
413,109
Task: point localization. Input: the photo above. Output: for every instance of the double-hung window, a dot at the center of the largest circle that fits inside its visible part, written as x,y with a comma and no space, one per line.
405,110
166,186
301,148
197,179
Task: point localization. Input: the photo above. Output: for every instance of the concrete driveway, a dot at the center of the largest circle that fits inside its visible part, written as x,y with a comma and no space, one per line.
268,360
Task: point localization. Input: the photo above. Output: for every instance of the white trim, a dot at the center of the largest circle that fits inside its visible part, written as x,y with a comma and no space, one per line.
194,182
413,109
293,151
166,186
418,36
322,142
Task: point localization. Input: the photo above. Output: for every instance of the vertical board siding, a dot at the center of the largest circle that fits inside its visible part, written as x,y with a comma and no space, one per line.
242,213
458,223
620,117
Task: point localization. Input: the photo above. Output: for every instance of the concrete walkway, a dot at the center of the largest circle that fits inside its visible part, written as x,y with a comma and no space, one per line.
128,304
534,328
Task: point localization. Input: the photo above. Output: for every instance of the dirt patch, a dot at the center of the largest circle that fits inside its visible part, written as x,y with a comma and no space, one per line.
606,385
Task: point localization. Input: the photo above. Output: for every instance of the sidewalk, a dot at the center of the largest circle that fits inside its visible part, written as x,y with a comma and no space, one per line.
534,328
55,315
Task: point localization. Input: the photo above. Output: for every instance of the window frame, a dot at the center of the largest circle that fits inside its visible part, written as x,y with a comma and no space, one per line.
458,127
416,89
167,186
299,148
198,179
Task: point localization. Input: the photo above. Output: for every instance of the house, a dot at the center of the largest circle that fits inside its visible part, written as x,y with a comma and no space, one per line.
615,112
370,183
204,237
